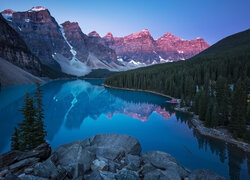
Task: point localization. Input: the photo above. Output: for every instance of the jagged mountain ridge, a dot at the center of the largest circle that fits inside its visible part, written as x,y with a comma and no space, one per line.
141,47
77,53
14,49
64,44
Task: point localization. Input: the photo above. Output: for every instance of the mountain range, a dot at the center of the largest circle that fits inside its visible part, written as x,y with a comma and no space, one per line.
65,48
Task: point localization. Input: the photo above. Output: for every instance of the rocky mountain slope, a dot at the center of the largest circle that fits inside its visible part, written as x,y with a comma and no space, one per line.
140,47
64,44
101,157
14,49
11,74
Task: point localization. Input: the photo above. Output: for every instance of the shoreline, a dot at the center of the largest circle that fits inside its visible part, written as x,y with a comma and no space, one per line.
199,125
140,90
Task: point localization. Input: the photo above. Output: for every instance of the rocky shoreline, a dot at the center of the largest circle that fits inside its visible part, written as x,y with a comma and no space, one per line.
220,134
217,133
101,157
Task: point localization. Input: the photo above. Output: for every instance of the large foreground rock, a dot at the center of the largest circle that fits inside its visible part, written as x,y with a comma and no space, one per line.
101,157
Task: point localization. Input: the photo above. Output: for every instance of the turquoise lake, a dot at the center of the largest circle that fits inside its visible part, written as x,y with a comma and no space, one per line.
77,109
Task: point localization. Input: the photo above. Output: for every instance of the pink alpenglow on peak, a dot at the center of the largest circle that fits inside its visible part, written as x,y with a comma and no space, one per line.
141,47
37,8
8,12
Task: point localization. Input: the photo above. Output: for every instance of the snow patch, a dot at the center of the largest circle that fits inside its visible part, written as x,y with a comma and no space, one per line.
38,8
164,60
19,28
8,17
154,62
73,52
120,59
73,66
134,62
27,20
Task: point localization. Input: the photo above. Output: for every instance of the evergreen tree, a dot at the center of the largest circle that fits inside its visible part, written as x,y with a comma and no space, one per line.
27,140
223,99
202,106
15,141
238,117
208,118
40,133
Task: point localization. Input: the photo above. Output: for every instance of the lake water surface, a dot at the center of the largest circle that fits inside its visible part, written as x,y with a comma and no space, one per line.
77,109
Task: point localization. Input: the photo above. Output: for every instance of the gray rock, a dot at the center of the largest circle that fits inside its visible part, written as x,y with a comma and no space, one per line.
46,169
168,164
42,152
204,174
30,177
110,153
75,170
127,175
75,153
107,175
99,165
148,167
11,177
23,164
95,175
133,162
4,172
115,141
28,170
155,175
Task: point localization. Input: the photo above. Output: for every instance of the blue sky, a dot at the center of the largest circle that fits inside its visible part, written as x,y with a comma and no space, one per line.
188,19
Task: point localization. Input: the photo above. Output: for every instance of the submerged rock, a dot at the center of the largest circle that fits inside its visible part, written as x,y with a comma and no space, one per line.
101,157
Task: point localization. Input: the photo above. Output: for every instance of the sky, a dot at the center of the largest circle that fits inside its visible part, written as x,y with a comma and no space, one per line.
187,19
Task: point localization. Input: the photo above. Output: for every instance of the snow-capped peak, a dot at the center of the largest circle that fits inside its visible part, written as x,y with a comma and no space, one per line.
8,12
37,8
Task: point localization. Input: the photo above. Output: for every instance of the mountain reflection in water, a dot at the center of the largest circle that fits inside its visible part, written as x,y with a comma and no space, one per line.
77,109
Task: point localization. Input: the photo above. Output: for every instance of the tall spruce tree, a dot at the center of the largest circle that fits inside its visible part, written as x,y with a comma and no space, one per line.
27,125
223,99
30,132
40,132
238,118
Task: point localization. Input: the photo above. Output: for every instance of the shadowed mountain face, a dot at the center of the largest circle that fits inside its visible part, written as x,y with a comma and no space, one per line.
14,49
64,44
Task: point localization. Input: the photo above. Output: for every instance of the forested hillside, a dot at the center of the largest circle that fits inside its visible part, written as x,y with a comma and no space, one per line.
215,83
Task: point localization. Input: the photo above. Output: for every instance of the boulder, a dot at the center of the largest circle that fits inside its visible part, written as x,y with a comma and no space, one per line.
127,143
99,165
134,162
30,177
165,162
127,175
203,174
46,169
75,153
101,157
155,175
18,160
20,166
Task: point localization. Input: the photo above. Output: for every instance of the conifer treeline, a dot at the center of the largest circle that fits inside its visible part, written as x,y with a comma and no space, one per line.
214,84
30,132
